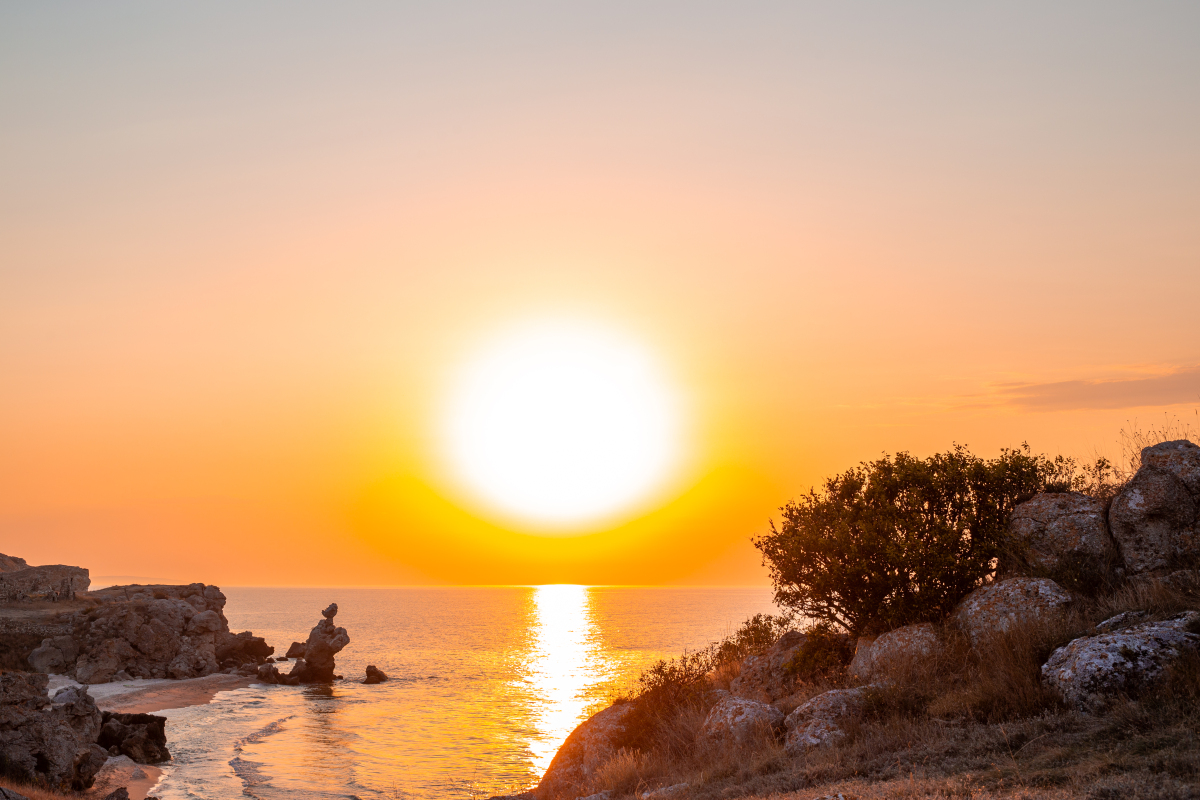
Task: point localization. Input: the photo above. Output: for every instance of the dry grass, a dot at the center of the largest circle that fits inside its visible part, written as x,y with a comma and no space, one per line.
33,792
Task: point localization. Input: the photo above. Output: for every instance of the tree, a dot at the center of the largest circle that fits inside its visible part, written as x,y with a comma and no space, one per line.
901,540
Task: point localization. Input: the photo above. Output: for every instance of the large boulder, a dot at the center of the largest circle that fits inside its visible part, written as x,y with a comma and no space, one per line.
737,721
1089,672
817,723
763,677
324,642
1154,518
56,655
1060,535
588,747
375,675
1003,605
895,653
48,742
141,737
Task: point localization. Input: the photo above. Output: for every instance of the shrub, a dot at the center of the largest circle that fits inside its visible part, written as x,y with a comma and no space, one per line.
824,655
900,540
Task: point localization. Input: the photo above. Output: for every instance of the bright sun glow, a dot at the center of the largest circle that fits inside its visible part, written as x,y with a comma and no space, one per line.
560,422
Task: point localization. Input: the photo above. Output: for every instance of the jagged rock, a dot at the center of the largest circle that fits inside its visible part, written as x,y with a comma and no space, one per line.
142,737
738,721
1154,518
45,741
1062,536
1002,605
763,678
375,675
324,642
55,656
894,652
242,648
52,582
120,793
1092,670
816,723
295,651
587,748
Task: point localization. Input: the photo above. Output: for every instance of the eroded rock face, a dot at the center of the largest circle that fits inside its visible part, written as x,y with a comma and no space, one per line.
324,642
736,721
56,655
52,582
763,677
1089,672
895,652
1062,536
587,748
1154,518
1005,604
816,723
141,737
49,741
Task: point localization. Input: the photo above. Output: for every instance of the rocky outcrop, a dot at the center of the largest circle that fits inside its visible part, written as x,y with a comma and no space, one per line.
587,748
1062,536
763,678
48,741
295,651
55,656
141,737
375,675
11,563
895,652
324,642
1154,519
55,582
736,721
818,722
234,650
1005,604
1089,672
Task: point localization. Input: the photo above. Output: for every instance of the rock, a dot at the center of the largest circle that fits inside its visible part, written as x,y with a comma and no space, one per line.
604,795
142,737
738,721
49,742
9,794
1090,671
1008,603
241,648
120,793
1123,620
895,652
678,790
1062,536
324,642
55,656
281,658
374,675
588,747
763,677
11,563
53,582
295,651
816,723
1153,518
1181,458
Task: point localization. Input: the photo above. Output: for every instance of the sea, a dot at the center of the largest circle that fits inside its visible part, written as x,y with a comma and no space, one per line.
485,685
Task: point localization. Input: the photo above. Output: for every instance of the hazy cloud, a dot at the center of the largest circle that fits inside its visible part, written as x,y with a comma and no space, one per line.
1178,387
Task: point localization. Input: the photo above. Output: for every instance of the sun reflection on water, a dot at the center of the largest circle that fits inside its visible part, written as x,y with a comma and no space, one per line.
566,667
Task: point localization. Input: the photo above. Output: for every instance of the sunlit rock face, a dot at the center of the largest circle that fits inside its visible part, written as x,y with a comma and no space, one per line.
1156,518
895,652
324,642
1003,605
817,723
1059,535
587,748
1089,672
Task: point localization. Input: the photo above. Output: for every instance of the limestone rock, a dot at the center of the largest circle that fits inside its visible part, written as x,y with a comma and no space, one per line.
52,582
738,721
1153,518
1090,671
763,677
1002,605
587,748
895,651
375,675
816,723
295,651
142,737
1181,458
45,741
324,642
233,650
1059,535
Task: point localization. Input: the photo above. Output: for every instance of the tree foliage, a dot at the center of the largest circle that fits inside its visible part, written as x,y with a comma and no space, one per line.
902,539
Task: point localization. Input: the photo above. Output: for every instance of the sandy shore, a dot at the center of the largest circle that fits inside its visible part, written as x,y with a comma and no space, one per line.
149,696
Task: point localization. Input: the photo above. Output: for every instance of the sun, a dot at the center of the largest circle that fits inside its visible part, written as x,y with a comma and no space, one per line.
561,422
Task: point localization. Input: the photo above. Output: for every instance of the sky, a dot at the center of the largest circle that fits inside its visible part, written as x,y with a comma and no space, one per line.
244,248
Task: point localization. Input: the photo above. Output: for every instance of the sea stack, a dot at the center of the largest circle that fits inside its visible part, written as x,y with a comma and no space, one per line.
325,641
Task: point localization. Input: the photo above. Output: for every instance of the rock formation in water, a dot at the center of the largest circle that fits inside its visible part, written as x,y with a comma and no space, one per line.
324,642
375,675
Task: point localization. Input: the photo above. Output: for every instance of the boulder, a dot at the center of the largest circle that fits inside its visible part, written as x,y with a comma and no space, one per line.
142,737
1059,535
120,793
55,656
233,650
763,677
1091,671
49,742
738,721
1181,458
1153,518
375,675
324,642
817,722
676,791
588,747
295,651
1000,606
9,794
895,652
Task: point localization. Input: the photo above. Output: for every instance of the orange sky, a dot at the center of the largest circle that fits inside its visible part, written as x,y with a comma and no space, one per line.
240,250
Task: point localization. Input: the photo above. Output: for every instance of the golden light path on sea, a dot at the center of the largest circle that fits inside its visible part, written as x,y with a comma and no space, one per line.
566,662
